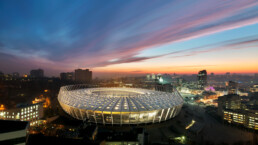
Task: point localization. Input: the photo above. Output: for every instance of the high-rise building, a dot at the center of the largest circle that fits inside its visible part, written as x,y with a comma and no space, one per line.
84,76
37,73
232,87
153,76
148,77
202,79
67,76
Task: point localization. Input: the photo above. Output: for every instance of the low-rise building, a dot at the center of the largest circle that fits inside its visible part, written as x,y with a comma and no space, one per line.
32,113
249,118
235,109
13,132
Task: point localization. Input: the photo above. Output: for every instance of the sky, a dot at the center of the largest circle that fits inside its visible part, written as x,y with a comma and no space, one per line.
130,37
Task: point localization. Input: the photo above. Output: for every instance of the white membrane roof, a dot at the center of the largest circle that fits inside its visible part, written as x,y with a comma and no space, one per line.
119,99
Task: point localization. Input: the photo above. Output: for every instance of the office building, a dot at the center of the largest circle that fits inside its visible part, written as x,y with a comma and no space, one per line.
83,76
13,132
68,76
231,101
202,79
37,73
232,87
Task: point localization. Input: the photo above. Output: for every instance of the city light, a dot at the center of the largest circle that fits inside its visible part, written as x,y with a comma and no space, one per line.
190,125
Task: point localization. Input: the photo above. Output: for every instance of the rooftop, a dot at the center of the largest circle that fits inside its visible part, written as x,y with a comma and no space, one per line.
9,126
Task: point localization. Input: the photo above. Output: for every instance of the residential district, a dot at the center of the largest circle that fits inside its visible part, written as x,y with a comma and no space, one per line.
216,109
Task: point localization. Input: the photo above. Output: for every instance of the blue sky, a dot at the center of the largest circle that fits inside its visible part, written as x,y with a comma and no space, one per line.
129,36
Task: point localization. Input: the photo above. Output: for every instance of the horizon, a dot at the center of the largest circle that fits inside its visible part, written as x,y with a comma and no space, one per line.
137,74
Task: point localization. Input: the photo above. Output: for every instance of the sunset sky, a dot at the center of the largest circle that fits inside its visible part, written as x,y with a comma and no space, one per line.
119,36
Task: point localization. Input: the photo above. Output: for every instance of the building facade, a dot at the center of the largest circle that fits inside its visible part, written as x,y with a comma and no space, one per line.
37,73
32,113
234,111
68,76
248,119
232,87
83,76
202,79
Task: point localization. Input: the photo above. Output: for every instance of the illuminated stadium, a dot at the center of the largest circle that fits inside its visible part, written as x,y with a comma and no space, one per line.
119,105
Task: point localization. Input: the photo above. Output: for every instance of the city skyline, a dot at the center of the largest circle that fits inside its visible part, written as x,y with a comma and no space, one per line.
129,37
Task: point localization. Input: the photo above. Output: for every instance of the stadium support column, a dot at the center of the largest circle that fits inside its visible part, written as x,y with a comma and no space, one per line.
95,117
167,114
161,114
103,118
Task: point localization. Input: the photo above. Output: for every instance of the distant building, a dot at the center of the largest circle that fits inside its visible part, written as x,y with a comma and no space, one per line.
232,87
42,99
1,75
148,77
37,73
164,88
31,113
13,132
209,95
231,101
202,79
16,75
164,79
164,83
8,77
254,88
68,76
84,76
153,76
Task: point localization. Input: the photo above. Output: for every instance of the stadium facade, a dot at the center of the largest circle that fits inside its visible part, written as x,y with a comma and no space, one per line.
119,105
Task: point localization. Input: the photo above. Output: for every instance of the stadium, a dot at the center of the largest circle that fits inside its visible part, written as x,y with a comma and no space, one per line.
119,105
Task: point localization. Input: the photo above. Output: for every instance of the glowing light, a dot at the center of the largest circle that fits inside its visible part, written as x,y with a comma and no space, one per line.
2,107
190,125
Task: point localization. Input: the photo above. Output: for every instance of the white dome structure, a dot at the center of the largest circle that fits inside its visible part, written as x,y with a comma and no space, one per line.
119,105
